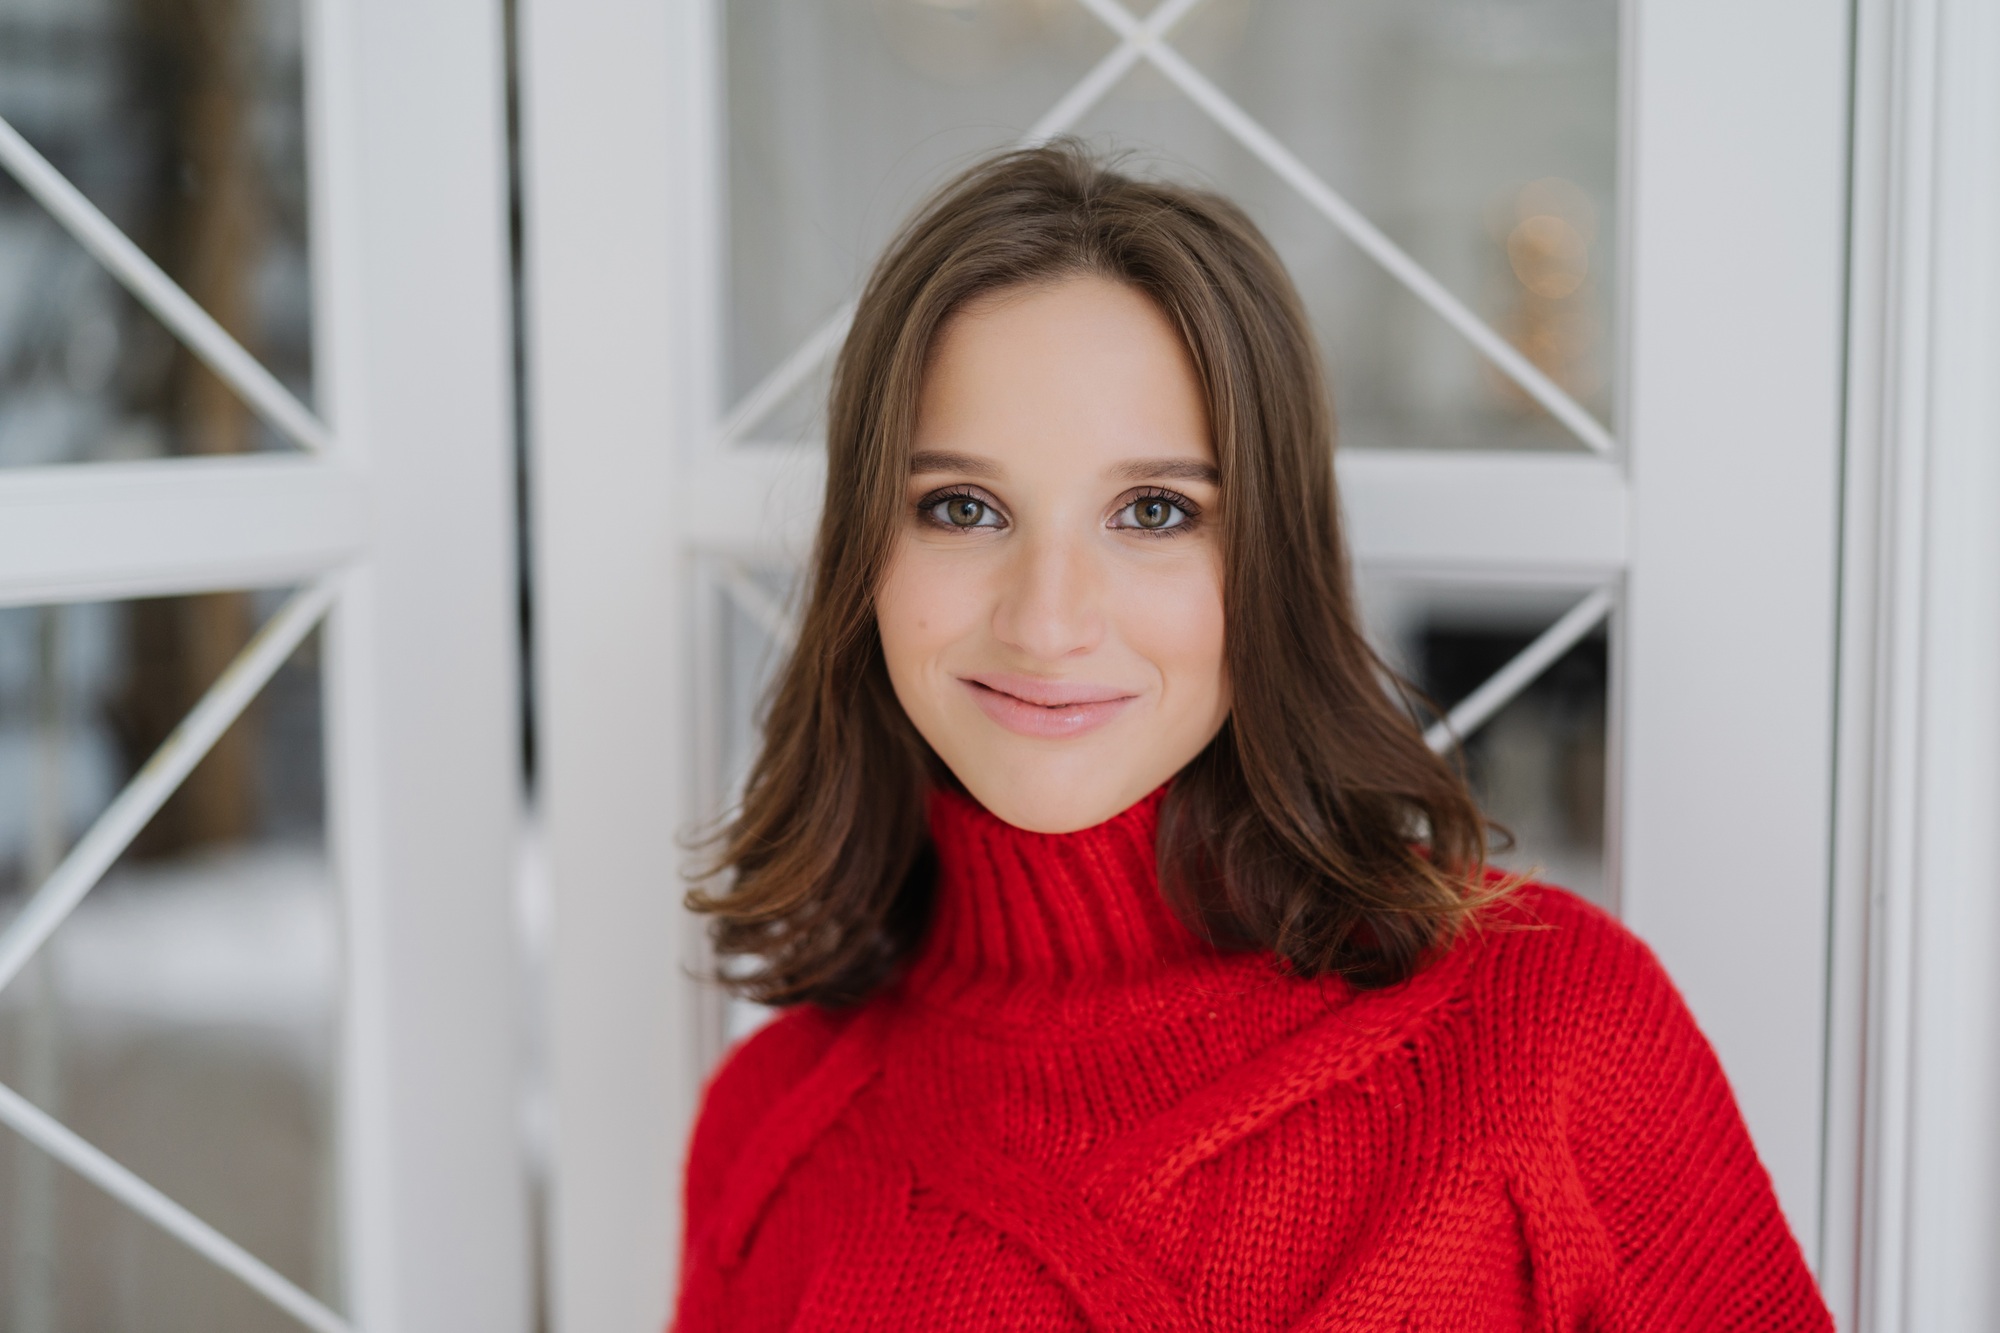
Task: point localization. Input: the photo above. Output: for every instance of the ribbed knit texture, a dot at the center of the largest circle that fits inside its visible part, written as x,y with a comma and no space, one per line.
1071,1112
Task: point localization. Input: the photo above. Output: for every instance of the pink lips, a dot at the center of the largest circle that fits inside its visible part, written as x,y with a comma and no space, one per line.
1030,706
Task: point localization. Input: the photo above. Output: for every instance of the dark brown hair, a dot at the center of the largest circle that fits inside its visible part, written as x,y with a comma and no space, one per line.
1317,824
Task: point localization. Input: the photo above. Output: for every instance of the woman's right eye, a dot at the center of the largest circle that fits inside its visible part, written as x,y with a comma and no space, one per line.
961,512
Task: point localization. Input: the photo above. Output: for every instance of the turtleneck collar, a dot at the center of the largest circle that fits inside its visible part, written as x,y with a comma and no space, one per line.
1026,925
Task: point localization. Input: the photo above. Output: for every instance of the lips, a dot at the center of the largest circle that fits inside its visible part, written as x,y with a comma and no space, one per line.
1045,709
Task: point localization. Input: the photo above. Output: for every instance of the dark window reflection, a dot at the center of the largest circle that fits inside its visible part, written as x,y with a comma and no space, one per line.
1538,766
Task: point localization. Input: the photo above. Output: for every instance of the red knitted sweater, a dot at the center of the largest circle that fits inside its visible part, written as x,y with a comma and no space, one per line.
1072,1113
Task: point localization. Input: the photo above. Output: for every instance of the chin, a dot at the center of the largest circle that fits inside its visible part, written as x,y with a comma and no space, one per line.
1033,798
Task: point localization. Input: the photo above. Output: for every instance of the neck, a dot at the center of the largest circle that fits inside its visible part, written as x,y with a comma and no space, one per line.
1030,925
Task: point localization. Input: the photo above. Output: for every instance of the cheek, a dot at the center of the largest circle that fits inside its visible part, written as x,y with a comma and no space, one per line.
916,612
1175,620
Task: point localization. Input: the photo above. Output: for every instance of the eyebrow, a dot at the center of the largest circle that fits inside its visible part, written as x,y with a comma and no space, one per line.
1138,469
931,460
1169,469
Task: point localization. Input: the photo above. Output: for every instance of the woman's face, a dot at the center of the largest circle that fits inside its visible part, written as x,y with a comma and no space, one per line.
1052,611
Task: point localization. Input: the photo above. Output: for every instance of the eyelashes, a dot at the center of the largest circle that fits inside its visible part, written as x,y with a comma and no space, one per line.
959,510
1152,511
1159,512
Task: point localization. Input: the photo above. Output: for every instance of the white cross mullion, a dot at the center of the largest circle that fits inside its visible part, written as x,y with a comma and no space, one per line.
84,867
150,787
755,405
765,611
1145,39
1245,129
161,294
1521,671
59,1142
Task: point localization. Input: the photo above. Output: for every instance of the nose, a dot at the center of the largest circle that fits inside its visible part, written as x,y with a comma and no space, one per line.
1049,605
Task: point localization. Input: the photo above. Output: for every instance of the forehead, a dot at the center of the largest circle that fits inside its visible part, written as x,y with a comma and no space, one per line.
1084,365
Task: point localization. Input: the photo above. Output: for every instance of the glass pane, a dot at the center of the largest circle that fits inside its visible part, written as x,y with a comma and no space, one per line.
184,121
101,1235
1538,765
756,611
1481,138
754,602
841,113
183,1019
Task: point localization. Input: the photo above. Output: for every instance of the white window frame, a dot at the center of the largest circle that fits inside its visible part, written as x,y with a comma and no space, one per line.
410,192
1913,1164
400,523
1735,177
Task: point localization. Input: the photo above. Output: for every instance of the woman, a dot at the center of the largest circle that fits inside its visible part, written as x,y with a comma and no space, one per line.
1142,964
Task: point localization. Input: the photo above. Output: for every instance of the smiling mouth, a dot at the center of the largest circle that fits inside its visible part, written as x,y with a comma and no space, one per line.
1046,709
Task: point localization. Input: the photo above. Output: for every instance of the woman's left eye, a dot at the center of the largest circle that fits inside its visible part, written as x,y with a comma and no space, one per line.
961,512
1152,513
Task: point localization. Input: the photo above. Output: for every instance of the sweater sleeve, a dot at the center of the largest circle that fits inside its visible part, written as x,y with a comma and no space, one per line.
753,1076
1665,1158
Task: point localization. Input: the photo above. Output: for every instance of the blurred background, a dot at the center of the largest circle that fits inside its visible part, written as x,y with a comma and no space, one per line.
183,1021
195,1017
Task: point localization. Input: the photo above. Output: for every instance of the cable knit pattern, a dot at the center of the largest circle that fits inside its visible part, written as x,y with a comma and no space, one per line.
1071,1112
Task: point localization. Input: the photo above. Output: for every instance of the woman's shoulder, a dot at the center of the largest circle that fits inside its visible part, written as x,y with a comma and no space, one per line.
1575,1003
1546,959
1542,933
753,1076
779,1052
